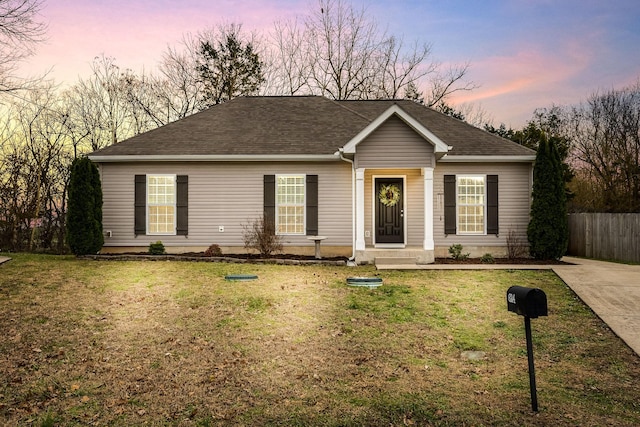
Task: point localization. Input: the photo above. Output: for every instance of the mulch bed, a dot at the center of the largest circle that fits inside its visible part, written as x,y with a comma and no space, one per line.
230,258
290,259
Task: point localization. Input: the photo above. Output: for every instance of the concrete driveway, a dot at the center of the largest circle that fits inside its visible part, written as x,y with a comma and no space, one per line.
611,290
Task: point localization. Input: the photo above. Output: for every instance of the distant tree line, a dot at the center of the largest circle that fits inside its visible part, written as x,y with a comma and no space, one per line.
336,50
598,142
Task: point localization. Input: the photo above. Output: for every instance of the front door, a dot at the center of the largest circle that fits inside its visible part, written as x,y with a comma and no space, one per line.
389,215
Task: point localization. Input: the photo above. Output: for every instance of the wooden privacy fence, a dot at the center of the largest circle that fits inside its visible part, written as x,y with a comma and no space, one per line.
605,236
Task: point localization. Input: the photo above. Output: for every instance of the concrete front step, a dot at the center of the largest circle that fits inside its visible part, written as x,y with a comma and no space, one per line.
395,261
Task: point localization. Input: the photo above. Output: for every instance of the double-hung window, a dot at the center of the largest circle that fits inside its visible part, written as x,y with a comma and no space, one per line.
161,204
290,204
471,203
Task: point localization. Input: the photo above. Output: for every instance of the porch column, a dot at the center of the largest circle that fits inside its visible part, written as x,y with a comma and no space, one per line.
427,176
360,244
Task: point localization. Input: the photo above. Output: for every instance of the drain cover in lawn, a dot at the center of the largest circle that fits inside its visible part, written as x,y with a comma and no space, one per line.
370,282
240,277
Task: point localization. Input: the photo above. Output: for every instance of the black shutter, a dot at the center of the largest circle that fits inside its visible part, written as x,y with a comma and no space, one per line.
492,204
449,204
312,205
182,205
140,205
270,201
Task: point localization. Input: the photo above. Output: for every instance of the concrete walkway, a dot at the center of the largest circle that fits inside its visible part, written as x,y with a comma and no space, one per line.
612,291
4,259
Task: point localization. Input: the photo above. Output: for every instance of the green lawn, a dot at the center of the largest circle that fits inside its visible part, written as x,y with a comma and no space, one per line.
173,343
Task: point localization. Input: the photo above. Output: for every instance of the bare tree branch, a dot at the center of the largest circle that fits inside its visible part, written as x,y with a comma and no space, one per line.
20,31
444,84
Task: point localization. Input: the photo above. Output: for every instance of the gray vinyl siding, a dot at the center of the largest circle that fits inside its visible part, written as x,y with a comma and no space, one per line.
414,203
514,190
225,194
392,145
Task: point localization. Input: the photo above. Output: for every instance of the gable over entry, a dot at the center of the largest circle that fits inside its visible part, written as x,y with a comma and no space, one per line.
439,147
394,160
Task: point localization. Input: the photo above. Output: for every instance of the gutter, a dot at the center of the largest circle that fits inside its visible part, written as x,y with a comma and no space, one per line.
452,158
353,206
98,158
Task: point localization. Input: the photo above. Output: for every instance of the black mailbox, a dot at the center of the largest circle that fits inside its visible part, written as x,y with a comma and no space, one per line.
528,302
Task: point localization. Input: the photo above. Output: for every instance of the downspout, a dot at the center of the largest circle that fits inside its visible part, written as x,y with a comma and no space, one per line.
353,207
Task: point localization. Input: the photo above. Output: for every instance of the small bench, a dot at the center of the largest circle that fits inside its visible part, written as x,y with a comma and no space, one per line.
317,240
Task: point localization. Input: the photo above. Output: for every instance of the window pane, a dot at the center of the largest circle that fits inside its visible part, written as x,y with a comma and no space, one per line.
161,219
471,219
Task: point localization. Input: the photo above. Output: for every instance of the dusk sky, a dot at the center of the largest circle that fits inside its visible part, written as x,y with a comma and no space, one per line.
523,54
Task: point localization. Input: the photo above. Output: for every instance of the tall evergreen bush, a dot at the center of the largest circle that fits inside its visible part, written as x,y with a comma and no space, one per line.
548,229
84,211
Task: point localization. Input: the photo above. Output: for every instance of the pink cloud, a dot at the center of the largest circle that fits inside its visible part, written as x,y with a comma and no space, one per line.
136,33
528,70
512,86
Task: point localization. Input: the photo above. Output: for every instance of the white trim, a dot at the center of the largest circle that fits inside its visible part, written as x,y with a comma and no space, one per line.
215,158
359,218
448,158
428,243
374,199
438,145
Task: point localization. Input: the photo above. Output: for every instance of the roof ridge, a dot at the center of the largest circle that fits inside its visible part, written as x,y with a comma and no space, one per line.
280,96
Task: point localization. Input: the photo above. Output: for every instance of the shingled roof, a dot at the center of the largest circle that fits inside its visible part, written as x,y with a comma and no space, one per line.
298,125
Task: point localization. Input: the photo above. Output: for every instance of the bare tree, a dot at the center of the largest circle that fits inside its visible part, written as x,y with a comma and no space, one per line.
34,159
141,95
443,84
605,132
289,64
475,114
399,67
178,87
20,30
341,52
343,43
101,108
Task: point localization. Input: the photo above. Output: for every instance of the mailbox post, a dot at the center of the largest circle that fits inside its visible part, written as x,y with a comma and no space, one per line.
530,303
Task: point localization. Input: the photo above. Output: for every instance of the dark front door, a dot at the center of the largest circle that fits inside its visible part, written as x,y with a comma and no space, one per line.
389,205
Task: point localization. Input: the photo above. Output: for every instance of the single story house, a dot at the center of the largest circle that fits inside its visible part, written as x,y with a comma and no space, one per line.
377,178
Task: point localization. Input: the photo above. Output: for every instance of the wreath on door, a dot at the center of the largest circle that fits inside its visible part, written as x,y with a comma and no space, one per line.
389,195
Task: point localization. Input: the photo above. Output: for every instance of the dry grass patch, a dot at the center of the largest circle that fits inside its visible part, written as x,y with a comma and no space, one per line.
173,343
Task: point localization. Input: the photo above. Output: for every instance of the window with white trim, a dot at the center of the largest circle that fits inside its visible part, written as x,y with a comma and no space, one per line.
290,204
471,197
161,204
